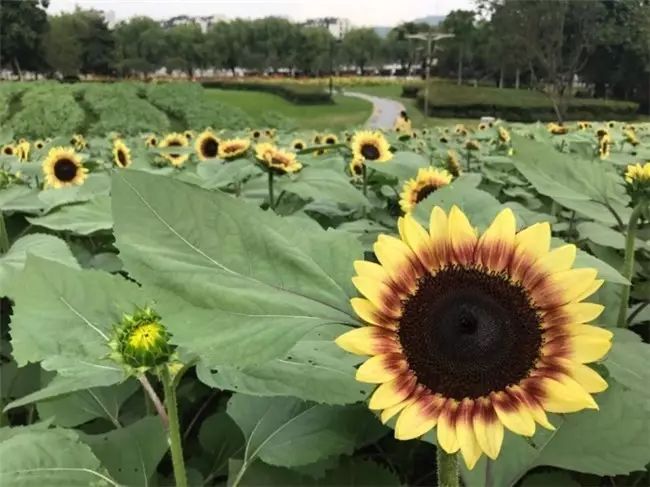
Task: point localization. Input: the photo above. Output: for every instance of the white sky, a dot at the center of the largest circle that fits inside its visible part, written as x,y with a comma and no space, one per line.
359,12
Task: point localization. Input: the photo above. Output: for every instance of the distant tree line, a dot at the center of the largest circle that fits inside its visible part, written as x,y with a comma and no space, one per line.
537,43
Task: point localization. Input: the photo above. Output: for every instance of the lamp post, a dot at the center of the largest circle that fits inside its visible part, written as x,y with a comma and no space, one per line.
430,38
327,21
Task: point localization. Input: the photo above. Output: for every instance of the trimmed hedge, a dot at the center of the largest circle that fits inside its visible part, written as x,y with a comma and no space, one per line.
449,100
411,90
293,92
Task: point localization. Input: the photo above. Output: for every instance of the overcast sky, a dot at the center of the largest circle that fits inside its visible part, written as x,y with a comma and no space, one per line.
359,12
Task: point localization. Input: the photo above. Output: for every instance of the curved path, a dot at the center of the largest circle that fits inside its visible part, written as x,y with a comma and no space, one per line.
384,111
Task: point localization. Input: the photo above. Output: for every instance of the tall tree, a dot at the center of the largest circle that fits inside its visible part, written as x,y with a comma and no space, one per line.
97,41
63,51
461,24
313,51
399,47
186,48
23,26
228,43
140,45
361,47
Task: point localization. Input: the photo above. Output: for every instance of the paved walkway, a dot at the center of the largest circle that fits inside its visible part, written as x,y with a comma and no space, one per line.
384,112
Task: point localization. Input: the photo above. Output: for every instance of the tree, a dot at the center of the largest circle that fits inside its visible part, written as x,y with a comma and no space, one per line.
186,48
23,27
229,43
97,42
361,47
312,55
140,45
63,51
398,46
461,24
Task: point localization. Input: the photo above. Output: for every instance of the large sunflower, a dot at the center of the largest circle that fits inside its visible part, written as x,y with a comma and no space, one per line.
62,167
370,146
276,160
425,183
121,154
233,148
175,140
207,145
471,334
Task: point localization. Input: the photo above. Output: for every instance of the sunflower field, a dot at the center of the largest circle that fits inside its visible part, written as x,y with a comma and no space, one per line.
464,305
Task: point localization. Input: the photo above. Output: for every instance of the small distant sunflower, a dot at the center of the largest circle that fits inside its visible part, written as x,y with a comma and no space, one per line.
256,134
482,126
276,160
8,150
121,154
472,145
151,141
473,334
318,139
78,141
298,144
461,130
557,129
504,135
22,150
207,146
630,137
403,125
39,144
270,133
331,139
426,182
600,133
175,140
584,125
370,146
189,134
443,139
356,168
611,124
452,162
233,148
62,167
604,146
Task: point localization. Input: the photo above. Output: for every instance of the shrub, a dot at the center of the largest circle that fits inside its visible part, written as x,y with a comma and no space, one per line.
411,90
301,94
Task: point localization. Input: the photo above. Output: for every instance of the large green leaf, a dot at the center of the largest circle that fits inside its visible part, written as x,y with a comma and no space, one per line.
221,439
45,246
82,406
288,432
316,183
81,218
63,318
627,362
54,457
131,454
219,174
403,165
238,284
314,369
96,185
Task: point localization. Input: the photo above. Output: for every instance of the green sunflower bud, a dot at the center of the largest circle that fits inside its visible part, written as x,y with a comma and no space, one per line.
141,342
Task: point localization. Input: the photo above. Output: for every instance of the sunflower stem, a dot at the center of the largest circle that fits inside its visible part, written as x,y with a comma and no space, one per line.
271,199
447,469
364,174
4,236
155,400
174,429
628,262
468,159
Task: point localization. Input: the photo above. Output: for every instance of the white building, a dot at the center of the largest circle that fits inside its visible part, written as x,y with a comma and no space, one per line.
204,22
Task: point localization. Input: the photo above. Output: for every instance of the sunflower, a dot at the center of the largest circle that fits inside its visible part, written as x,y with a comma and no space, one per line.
270,133
121,154
638,175
600,133
371,146
356,168
584,125
62,167
22,150
604,146
233,148
331,139
556,129
426,182
276,160
453,163
630,137
472,333
472,145
207,145
256,134
504,135
298,144
402,125
151,141
39,144
611,124
175,140
443,139
78,142
460,129
189,135
318,139
482,126
8,150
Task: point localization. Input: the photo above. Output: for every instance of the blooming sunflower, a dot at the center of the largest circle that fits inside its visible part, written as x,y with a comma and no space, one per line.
121,154
557,129
370,146
631,138
189,135
318,139
426,182
298,144
460,129
331,139
584,125
472,144
600,133
604,146
471,334
356,168
276,160
482,126
402,125
62,167
151,141
611,124
78,142
8,150
175,140
207,145
452,162
638,178
233,148
504,135
256,134
39,144
22,150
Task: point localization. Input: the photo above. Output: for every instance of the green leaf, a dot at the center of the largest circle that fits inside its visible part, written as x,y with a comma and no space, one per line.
81,218
546,479
82,406
131,454
288,432
605,236
315,183
53,457
63,317
96,185
45,246
238,285
627,363
314,369
221,439
219,174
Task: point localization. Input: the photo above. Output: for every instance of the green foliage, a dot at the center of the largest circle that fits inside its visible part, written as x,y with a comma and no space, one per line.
296,93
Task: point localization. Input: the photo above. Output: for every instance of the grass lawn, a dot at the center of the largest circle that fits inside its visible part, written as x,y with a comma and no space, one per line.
345,112
419,120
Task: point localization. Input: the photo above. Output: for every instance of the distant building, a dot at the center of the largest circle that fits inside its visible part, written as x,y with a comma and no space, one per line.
110,18
204,22
337,26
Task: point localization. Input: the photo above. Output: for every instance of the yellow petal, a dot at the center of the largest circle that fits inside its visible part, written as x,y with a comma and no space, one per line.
396,257
496,245
360,341
388,413
468,443
447,438
419,240
378,294
438,225
534,240
563,287
391,393
559,259
413,422
369,313
589,330
566,396
588,378
516,417
377,369
489,435
462,236
595,286
581,312
371,270
589,348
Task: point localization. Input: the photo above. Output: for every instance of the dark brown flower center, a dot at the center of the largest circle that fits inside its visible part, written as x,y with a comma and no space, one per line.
424,192
467,332
9,151
174,143
65,170
330,140
121,157
370,152
299,146
210,147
